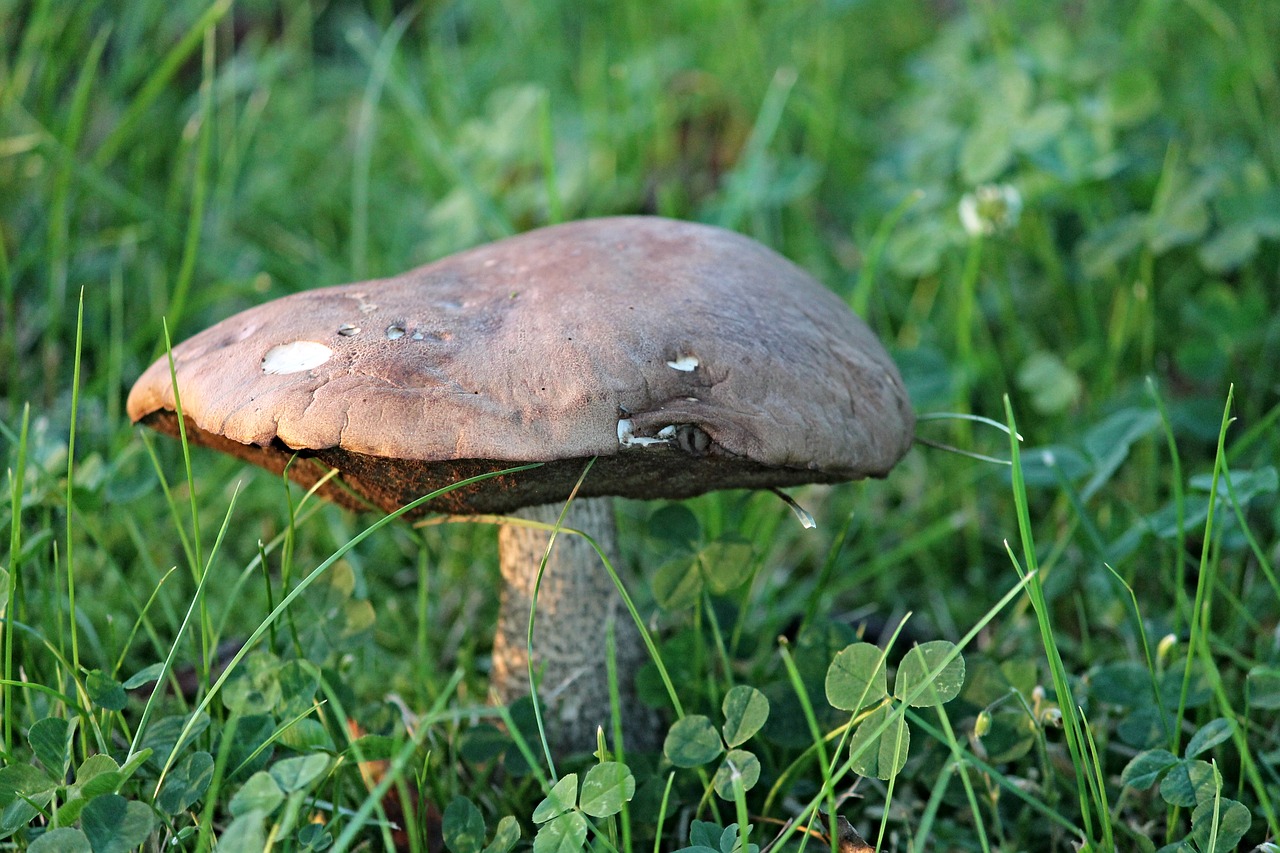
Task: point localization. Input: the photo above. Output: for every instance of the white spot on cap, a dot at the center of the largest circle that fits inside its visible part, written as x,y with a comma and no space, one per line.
685,363
295,357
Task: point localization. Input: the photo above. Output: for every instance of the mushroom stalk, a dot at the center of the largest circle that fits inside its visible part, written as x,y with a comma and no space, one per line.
577,607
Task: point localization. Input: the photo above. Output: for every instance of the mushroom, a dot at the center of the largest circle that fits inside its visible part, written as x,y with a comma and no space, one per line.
682,358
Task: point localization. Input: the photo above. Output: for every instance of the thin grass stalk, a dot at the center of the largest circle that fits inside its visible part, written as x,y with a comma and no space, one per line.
750,172
307,581
547,149
847,764
432,149
1259,554
1201,613
195,554
366,133
200,188
957,765
17,477
533,611
615,715
70,512
1090,790
400,761
1178,582
165,70
860,298
662,812
627,601
811,720
9,326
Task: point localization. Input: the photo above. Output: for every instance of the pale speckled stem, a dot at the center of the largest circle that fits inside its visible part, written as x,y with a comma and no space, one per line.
577,603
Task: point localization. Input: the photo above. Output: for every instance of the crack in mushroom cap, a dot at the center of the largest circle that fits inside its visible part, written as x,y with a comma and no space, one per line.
734,368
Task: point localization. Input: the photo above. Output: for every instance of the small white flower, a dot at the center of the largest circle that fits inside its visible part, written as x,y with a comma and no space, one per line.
990,208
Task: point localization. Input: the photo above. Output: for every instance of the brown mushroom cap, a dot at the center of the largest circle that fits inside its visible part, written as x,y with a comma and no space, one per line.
686,357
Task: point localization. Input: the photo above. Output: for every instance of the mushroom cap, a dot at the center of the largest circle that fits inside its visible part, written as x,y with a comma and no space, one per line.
687,358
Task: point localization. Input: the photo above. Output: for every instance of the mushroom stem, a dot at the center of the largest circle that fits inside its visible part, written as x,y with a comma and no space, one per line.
577,607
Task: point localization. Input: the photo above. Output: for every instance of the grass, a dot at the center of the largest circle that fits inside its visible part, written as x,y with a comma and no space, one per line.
1108,584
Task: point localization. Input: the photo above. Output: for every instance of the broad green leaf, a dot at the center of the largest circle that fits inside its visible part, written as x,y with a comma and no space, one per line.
99,774
1210,735
299,680
1010,735
254,689
675,525
69,811
726,564
483,742
357,616
731,841
294,774
606,788
1232,823
245,832
139,758
49,741
162,735
105,692
703,833
1230,248
259,794
307,735
692,742
919,664
1146,727
856,678
61,840
95,765
1189,782
505,836
1108,442
561,798
738,765
463,826
1146,767
20,813
186,783
146,675
23,781
371,748
745,711
986,151
1264,687
677,585
1052,386
116,825
1121,683
880,754
315,836
565,833
1132,94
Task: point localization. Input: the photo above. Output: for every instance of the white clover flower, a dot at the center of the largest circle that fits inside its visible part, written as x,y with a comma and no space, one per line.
990,208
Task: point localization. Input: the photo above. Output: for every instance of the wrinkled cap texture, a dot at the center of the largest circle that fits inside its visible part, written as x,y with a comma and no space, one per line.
686,358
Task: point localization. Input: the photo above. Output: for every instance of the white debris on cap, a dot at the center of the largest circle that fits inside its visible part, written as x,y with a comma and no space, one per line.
295,357
685,363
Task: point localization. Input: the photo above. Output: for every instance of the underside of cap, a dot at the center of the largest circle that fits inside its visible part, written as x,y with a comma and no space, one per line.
376,482
685,358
